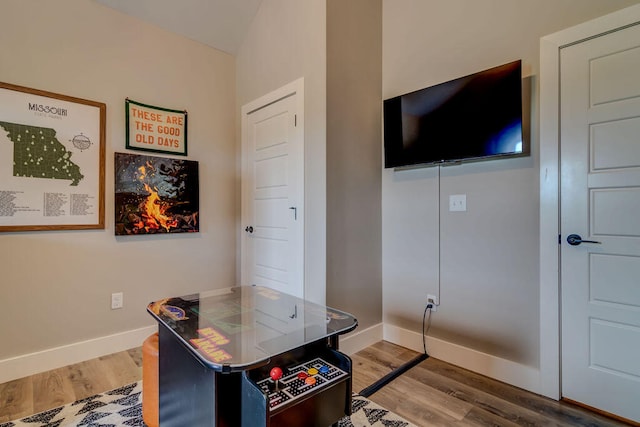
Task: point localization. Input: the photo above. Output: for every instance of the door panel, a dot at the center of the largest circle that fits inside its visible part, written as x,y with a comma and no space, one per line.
600,200
615,212
272,129
271,173
626,270
605,355
613,144
611,80
272,246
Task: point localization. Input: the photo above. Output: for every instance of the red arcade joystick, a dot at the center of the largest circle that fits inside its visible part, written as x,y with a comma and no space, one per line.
276,374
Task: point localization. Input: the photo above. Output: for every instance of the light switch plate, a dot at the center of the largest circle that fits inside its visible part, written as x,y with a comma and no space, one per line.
458,203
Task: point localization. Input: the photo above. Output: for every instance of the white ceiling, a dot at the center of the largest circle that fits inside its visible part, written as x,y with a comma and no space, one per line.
221,24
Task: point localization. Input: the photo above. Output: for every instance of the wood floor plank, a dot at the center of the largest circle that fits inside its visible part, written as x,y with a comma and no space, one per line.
120,368
494,402
88,379
136,355
475,396
364,373
411,409
384,359
458,395
437,401
560,412
401,353
52,389
481,418
16,399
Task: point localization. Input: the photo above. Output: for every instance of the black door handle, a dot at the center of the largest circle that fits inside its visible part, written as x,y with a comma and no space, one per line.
575,240
249,229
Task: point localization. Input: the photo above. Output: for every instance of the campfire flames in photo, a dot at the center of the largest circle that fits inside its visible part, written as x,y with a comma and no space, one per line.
153,210
153,213
155,195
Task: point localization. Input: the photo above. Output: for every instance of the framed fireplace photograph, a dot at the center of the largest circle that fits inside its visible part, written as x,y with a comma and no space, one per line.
155,195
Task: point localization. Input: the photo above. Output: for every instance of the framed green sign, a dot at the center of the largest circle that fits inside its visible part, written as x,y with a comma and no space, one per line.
156,129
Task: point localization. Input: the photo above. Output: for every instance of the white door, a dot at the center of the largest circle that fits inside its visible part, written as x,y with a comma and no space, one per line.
600,201
273,192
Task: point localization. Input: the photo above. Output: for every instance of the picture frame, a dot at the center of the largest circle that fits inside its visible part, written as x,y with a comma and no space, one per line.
52,161
155,129
155,195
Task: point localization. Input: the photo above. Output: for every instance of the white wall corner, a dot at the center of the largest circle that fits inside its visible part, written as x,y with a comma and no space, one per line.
360,340
523,376
549,220
53,358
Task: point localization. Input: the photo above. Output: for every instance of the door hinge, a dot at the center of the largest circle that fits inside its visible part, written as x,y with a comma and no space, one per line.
295,120
559,239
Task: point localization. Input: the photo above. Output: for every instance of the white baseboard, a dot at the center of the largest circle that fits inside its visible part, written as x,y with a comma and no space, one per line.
510,372
41,361
359,340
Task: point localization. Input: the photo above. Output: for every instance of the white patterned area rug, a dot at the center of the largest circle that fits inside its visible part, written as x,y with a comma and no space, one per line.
123,407
365,413
119,407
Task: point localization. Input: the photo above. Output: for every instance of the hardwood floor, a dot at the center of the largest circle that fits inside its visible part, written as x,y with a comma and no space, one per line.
434,393
47,390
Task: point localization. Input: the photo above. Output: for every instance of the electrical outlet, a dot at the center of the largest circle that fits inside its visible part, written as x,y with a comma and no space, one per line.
433,300
117,300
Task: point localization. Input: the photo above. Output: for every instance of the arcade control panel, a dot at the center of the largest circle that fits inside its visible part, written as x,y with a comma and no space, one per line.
288,384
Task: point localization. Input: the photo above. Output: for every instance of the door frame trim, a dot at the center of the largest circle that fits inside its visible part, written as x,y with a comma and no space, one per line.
550,47
294,88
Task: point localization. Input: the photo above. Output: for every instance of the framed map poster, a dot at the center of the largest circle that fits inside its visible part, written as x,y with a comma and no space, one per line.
52,154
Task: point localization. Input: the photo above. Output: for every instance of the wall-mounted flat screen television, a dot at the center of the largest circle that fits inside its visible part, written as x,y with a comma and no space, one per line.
471,118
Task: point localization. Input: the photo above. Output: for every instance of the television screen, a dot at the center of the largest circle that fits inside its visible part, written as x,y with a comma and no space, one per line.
470,118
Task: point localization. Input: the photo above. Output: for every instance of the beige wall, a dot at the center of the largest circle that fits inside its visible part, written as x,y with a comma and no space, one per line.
342,136
354,99
55,287
287,41
488,256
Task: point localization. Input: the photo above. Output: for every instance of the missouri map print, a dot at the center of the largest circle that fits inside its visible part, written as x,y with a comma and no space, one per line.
51,161
37,153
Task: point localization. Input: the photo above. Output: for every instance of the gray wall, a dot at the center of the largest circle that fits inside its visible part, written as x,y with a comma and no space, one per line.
354,99
489,286
483,262
342,136
286,41
55,287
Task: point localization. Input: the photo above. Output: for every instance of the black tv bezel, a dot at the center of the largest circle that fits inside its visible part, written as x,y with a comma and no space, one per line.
390,135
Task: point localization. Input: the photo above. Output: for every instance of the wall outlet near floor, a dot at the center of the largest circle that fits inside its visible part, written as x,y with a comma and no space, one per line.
117,300
432,299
